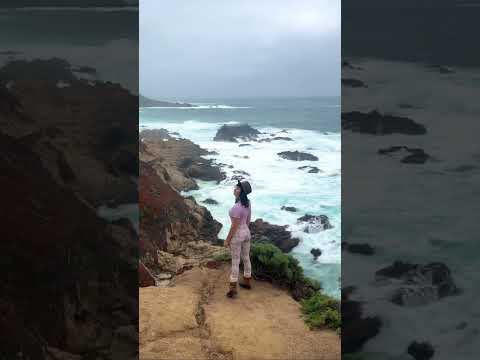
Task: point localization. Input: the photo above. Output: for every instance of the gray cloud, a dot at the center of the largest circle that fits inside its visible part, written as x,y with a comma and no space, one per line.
244,48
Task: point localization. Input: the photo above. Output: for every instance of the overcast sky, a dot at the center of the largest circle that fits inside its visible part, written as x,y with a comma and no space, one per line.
218,48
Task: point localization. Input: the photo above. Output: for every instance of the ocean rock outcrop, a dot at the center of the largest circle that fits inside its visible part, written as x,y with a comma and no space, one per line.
233,133
353,83
421,350
415,155
377,124
276,234
419,284
210,201
315,223
311,169
363,249
297,156
316,253
289,208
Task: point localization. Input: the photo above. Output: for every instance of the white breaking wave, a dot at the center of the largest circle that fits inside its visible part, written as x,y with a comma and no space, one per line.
197,107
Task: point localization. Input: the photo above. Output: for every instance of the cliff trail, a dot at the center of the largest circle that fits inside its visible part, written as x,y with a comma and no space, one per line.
194,320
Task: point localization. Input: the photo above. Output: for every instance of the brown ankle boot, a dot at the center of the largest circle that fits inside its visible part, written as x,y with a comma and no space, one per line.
233,290
246,283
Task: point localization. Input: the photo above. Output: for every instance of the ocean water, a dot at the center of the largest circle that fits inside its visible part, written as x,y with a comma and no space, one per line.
314,125
431,203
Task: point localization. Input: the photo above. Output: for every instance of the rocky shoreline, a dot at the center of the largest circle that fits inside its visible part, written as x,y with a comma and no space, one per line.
184,269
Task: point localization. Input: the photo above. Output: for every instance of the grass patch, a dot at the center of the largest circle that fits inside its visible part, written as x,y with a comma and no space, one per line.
321,311
223,257
318,310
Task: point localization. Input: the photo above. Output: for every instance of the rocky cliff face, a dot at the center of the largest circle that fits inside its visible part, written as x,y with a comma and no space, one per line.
175,232
178,161
75,267
70,277
81,130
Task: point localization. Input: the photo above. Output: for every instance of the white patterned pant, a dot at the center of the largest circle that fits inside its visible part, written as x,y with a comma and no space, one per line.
240,249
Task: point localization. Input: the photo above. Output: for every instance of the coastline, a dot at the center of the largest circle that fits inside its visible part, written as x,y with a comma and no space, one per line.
292,192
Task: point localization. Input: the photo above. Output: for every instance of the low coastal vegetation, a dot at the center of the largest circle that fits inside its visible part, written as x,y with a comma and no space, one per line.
283,270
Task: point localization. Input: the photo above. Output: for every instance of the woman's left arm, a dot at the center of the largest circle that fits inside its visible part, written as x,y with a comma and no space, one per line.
233,230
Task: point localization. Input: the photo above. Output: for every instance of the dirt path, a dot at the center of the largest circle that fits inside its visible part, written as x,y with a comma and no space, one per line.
194,320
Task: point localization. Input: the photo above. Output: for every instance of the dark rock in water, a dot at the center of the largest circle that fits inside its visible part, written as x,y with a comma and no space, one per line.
233,132
242,145
348,65
353,83
210,201
205,171
289,208
378,124
315,223
421,284
286,138
417,155
421,351
416,158
276,234
316,253
442,69
397,270
356,329
312,169
297,156
363,249
242,157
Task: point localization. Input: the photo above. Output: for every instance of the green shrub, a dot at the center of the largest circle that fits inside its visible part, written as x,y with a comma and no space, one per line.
223,257
270,263
320,311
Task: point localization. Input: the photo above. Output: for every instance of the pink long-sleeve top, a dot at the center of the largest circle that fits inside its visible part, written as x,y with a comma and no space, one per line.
238,211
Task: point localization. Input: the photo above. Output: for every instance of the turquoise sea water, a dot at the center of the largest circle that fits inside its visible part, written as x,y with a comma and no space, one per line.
314,125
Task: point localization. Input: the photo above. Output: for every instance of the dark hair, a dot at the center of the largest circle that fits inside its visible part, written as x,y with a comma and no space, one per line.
242,197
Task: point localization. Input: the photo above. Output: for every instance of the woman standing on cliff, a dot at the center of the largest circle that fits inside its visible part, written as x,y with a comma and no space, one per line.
238,238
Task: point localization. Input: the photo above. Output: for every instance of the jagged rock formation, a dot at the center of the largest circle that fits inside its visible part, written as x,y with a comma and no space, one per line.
377,124
175,233
276,234
297,156
177,161
233,133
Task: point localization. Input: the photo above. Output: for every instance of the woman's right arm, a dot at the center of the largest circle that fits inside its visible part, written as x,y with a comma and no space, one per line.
233,229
